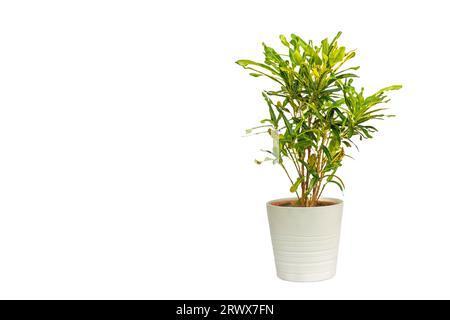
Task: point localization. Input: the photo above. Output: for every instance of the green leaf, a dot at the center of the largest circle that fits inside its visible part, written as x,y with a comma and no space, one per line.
256,74
347,75
394,87
284,41
306,47
272,113
351,55
312,160
335,38
246,63
315,179
327,153
285,120
340,54
340,114
298,57
325,46
340,181
352,68
294,187
338,184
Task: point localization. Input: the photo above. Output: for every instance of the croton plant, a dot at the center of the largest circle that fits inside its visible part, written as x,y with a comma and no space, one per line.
315,113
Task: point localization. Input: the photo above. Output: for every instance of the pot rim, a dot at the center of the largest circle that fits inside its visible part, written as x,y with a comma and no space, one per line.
338,202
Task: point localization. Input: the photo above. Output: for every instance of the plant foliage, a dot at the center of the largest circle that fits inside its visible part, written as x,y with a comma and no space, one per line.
315,114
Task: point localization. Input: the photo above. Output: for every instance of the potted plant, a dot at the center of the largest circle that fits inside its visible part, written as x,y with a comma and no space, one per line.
315,116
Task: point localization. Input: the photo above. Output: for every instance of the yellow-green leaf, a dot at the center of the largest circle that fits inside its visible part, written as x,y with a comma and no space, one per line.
294,187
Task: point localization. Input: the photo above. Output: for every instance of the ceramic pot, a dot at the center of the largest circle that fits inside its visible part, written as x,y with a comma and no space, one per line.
305,240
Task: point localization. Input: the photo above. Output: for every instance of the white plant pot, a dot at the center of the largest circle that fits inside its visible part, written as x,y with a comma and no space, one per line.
305,240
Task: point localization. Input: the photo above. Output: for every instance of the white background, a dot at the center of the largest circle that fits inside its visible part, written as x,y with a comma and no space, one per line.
123,173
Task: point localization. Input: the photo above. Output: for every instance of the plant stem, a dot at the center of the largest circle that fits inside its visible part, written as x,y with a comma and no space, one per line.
295,162
290,179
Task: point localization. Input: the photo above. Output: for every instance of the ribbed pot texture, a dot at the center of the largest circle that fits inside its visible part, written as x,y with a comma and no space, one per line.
305,240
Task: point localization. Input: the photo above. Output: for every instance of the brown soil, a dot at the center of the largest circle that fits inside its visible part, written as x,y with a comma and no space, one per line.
295,203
